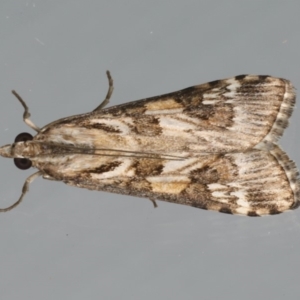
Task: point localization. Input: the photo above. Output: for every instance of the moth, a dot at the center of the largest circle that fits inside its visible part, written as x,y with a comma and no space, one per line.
212,146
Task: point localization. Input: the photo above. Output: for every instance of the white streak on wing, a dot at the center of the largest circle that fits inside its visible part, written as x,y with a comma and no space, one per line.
190,120
221,196
232,87
210,102
121,170
170,179
119,125
79,164
66,135
243,210
242,200
220,191
213,98
219,140
63,162
172,166
216,186
170,122
164,111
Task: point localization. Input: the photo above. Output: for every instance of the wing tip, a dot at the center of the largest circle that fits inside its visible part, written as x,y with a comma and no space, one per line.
284,113
291,172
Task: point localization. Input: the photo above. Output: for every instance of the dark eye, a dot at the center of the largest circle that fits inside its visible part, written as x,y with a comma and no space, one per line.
22,163
23,137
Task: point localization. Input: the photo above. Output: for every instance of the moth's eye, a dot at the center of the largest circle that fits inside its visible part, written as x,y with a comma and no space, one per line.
22,163
23,137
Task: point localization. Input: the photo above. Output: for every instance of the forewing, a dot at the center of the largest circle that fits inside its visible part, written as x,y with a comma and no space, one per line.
250,183
230,115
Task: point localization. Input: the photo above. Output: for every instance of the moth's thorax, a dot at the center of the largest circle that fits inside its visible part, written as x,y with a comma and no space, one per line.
28,149
34,150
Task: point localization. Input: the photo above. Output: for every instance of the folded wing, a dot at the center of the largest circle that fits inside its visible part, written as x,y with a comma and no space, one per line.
230,115
249,183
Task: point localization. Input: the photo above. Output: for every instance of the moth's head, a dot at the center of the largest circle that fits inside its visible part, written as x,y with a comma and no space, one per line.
18,151
5,150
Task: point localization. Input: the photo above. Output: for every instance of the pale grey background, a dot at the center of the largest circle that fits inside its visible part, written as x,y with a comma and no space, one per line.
68,243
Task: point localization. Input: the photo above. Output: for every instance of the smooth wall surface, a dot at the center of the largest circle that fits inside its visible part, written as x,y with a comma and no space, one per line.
68,243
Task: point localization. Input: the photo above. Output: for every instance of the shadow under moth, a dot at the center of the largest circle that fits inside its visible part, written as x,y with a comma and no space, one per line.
211,146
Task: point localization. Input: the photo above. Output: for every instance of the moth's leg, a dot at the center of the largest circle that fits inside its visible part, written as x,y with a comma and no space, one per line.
109,92
48,177
24,191
153,201
26,114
